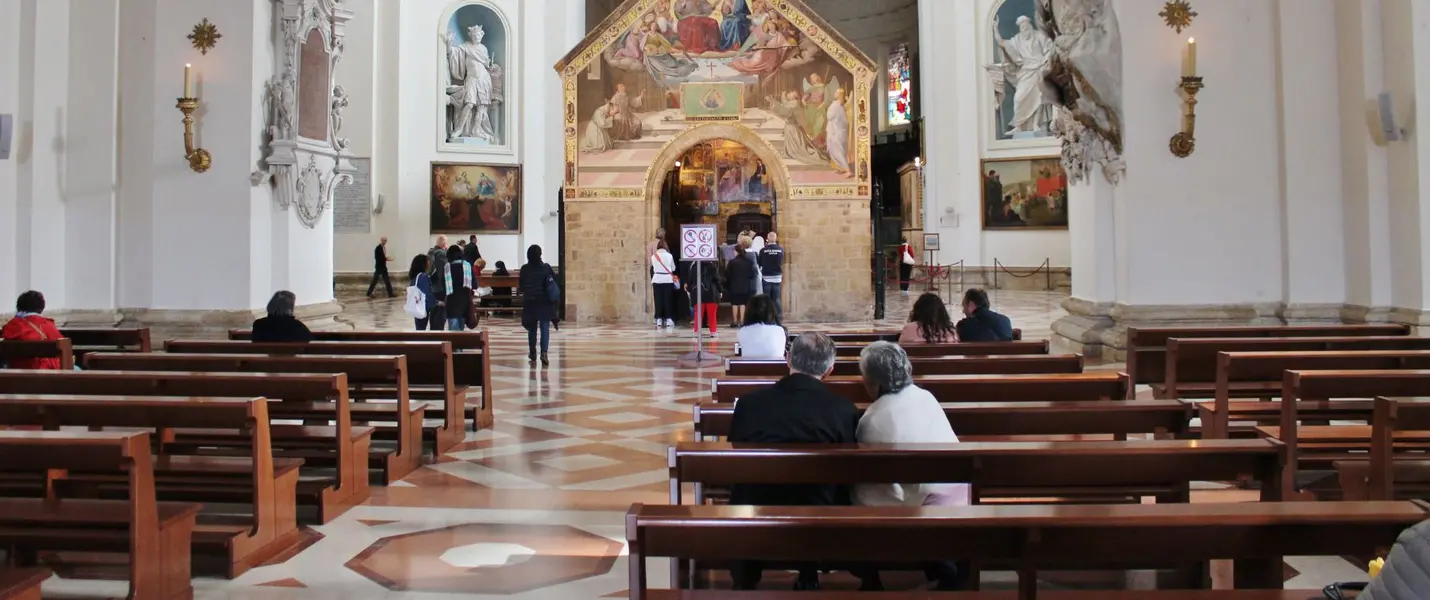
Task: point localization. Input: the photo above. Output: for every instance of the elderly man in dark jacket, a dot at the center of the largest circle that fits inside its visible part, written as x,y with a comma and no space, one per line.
980,323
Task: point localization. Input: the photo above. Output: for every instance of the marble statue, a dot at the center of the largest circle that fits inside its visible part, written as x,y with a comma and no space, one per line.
1025,62
340,103
1085,78
469,88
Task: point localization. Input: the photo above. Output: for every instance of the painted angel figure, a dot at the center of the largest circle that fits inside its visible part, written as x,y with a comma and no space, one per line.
470,86
817,97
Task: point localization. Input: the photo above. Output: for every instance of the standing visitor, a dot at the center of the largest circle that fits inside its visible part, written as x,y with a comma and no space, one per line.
650,248
28,325
379,268
707,289
539,296
460,284
771,260
437,271
280,325
663,282
980,323
740,273
417,275
470,252
757,244
929,323
762,337
906,265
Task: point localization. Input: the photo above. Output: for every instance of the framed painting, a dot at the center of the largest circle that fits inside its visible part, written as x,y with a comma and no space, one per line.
477,80
1024,193
476,198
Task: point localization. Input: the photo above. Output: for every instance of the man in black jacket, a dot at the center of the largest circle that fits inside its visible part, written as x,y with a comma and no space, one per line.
981,324
798,409
772,265
471,252
379,268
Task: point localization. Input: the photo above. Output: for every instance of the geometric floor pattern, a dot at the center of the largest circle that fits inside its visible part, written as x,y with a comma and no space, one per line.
533,508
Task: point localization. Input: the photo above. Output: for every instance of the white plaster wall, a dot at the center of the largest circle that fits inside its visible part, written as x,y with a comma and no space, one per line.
10,27
90,149
1365,182
44,89
1407,77
1205,229
1027,248
138,152
357,73
948,41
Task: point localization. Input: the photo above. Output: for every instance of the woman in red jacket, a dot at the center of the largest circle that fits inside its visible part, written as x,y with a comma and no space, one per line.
28,325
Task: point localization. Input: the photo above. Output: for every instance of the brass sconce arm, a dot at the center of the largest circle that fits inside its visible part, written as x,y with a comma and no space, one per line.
1185,142
199,159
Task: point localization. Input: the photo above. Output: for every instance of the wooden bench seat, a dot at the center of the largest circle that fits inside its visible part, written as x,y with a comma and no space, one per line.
940,365
267,487
62,349
974,420
1147,346
22,584
998,595
431,376
470,351
965,388
1101,470
1193,365
155,535
346,486
402,419
867,337
958,349
107,339
1256,536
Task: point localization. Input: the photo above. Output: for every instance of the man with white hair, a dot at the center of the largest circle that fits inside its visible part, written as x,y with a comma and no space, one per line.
798,409
904,413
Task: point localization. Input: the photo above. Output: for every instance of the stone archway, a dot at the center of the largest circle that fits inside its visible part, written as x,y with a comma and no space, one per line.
673,150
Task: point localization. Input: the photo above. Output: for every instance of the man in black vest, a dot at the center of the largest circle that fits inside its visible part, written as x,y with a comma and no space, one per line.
772,264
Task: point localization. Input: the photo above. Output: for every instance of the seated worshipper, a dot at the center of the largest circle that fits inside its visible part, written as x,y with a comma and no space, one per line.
28,325
501,296
798,409
929,323
904,414
981,324
1406,569
761,337
280,325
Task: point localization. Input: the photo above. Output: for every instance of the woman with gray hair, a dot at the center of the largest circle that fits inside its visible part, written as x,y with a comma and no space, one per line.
280,325
904,413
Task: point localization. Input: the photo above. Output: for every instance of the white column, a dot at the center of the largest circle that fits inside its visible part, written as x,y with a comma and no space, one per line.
949,92
1407,78
1365,183
91,156
40,219
10,28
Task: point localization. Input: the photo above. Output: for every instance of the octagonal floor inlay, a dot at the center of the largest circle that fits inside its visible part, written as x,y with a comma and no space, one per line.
486,558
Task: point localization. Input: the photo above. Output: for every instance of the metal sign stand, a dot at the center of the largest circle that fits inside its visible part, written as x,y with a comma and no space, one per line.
699,359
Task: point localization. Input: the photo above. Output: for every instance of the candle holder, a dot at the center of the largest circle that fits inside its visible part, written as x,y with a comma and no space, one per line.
1185,142
199,159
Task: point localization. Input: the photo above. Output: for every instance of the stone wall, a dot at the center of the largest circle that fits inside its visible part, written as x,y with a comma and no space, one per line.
607,278
827,273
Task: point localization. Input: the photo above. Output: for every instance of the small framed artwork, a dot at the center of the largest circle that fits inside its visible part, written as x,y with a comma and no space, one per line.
481,198
1024,193
930,241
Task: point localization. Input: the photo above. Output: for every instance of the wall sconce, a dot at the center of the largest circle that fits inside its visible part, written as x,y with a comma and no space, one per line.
199,159
1185,142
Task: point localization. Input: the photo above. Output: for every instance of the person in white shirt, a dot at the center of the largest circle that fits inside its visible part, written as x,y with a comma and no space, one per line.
757,244
904,413
662,265
761,337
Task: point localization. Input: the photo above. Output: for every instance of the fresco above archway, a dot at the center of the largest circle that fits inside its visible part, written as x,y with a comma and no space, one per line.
657,68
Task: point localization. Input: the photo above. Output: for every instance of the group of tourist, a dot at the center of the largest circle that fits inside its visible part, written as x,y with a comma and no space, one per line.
752,268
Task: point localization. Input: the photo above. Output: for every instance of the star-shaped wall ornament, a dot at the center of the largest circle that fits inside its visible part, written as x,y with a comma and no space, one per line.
1179,14
205,36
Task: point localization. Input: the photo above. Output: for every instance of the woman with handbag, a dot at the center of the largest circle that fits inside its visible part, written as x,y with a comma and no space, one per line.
662,264
539,297
906,265
459,285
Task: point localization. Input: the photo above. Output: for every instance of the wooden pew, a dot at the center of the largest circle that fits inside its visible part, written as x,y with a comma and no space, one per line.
391,371
62,349
105,339
1396,422
966,388
1191,369
1260,374
866,337
1146,346
1314,394
155,535
232,546
22,584
1103,470
941,365
959,349
974,420
430,375
342,445
471,367
1255,535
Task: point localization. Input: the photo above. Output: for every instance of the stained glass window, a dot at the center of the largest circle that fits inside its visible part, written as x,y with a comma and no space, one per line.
900,86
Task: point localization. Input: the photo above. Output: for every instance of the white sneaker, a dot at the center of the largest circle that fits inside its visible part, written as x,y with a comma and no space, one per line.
714,334
670,323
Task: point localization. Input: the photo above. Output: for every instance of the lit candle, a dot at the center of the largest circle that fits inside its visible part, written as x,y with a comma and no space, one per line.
1189,58
188,80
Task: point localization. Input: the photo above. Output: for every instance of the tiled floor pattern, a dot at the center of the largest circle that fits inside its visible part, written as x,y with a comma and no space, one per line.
532,509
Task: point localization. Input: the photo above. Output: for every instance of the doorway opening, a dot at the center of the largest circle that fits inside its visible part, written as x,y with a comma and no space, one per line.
718,182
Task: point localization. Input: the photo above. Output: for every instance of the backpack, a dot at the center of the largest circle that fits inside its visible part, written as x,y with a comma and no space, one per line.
553,292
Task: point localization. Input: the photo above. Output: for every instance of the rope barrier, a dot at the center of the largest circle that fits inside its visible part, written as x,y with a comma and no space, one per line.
1046,268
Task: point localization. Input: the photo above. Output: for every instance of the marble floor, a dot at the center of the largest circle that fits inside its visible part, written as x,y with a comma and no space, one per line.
532,509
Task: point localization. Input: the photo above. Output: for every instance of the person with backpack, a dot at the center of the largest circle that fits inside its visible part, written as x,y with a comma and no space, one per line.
540,296
419,295
437,275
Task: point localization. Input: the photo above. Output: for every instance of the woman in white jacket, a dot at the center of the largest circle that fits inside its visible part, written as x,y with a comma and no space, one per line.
662,266
904,414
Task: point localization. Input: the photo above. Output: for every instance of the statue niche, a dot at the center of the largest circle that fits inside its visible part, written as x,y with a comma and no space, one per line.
314,75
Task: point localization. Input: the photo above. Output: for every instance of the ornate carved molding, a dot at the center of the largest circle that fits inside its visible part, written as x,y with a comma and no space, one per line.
325,162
